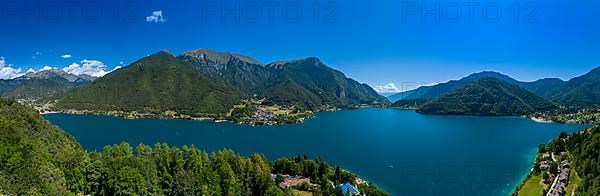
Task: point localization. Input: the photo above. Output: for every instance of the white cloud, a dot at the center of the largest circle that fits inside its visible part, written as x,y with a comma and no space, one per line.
156,17
7,71
66,56
47,68
388,88
90,67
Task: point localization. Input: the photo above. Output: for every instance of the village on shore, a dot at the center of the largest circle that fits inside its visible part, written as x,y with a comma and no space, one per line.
552,174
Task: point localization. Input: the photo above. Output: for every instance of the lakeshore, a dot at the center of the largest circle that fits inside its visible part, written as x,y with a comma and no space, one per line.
541,120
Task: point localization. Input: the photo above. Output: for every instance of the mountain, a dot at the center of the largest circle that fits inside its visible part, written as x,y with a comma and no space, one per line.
241,71
409,103
311,83
399,96
540,87
42,84
203,81
490,97
435,91
583,91
156,83
543,87
307,82
57,73
36,157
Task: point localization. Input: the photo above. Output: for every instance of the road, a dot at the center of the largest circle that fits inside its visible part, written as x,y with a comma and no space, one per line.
555,178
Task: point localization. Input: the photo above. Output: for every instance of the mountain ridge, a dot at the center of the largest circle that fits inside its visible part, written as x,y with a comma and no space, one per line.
540,87
148,85
488,97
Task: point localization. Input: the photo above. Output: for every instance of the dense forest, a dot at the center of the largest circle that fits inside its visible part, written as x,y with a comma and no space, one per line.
585,148
38,158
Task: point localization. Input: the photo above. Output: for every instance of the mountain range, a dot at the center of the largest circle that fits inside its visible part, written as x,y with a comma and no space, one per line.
42,84
488,97
583,91
540,87
205,82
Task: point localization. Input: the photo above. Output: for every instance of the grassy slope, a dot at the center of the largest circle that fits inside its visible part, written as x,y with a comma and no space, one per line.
574,182
532,186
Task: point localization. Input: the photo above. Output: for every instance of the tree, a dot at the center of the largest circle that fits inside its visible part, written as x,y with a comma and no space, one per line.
546,177
274,191
127,181
279,179
553,168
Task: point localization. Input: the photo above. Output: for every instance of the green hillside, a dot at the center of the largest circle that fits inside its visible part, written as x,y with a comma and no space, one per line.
542,87
582,91
311,83
36,158
208,83
584,148
307,82
155,84
488,96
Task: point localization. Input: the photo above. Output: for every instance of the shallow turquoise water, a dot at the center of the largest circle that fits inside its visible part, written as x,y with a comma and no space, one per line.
403,152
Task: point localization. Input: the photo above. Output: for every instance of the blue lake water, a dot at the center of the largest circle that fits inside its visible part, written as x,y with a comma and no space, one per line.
403,152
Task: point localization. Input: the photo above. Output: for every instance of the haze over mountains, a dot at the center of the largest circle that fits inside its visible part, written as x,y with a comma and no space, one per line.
203,81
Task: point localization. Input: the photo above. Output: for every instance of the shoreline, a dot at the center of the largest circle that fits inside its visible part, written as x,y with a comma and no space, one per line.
541,120
521,182
137,115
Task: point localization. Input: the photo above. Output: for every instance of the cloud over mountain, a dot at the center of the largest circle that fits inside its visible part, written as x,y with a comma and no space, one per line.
388,88
7,71
89,67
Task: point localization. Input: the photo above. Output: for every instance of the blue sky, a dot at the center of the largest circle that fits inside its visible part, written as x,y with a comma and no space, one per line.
369,41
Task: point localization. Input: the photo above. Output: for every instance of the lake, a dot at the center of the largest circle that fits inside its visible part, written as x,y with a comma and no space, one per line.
401,151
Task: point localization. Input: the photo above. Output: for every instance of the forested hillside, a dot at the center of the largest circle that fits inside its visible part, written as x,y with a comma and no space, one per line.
489,97
156,84
37,158
584,147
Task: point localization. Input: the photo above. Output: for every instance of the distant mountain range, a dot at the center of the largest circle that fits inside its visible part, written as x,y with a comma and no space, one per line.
489,97
493,93
583,91
42,84
205,82
540,87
